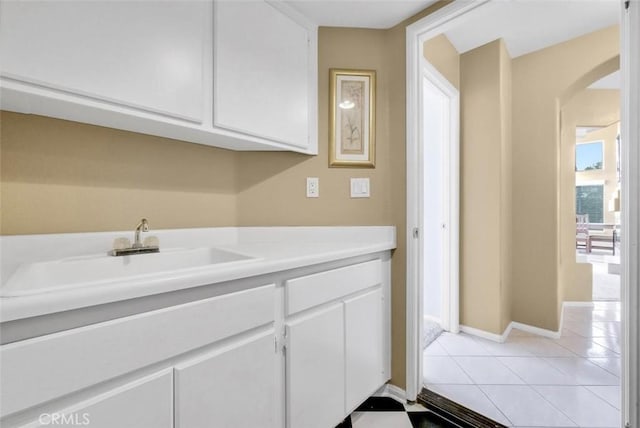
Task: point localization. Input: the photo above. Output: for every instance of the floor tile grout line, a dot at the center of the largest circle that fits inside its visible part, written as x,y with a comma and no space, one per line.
586,360
603,334
478,386
511,423
554,406
548,364
600,398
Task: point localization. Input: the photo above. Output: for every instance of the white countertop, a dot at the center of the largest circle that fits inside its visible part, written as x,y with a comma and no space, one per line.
274,249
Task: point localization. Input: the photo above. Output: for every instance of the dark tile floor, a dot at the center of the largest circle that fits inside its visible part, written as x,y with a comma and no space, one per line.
384,412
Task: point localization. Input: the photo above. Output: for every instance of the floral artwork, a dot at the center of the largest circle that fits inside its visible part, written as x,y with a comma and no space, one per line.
352,118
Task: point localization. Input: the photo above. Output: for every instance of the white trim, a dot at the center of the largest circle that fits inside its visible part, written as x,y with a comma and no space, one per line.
392,391
499,338
630,213
450,312
537,330
416,34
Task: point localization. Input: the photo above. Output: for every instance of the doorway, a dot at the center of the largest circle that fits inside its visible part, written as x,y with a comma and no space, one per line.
416,34
439,202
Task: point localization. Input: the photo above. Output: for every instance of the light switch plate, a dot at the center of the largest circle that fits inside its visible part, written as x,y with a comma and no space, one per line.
313,187
360,188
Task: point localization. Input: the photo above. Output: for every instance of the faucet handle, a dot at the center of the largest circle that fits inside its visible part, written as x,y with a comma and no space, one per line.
121,243
151,241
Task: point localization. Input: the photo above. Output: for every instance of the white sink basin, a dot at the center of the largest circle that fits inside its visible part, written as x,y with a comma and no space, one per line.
43,277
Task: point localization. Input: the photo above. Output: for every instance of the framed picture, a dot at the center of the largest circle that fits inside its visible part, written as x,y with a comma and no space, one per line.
352,115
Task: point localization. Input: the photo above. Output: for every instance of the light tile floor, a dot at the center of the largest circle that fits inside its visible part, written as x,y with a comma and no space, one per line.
606,286
533,381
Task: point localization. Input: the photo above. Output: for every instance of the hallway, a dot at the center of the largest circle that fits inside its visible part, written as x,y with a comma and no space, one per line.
533,381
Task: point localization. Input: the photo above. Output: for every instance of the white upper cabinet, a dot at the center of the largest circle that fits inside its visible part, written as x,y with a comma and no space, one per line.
241,75
262,62
145,55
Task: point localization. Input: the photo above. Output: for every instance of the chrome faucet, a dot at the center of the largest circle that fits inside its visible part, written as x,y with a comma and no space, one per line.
143,226
123,247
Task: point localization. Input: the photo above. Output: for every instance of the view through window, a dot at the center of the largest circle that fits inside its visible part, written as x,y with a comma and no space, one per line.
590,200
589,156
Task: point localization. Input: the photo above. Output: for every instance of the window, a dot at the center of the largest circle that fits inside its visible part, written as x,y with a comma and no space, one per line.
590,200
589,156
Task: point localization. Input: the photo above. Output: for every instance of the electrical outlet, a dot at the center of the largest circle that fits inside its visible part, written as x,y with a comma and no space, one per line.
360,188
313,187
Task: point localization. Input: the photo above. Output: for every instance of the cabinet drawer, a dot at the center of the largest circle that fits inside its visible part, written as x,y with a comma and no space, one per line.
51,366
230,388
146,402
308,291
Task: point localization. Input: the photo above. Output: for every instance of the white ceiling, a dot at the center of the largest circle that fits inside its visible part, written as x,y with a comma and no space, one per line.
612,81
359,13
529,25
525,25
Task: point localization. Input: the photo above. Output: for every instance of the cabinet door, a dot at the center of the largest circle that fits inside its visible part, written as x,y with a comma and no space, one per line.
364,347
315,369
230,388
144,403
146,55
262,62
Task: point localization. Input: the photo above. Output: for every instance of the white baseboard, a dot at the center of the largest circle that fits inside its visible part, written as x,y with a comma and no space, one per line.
392,391
500,338
525,327
537,330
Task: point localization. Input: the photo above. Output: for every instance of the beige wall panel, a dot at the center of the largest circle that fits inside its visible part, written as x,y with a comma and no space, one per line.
506,188
60,176
481,197
539,80
444,57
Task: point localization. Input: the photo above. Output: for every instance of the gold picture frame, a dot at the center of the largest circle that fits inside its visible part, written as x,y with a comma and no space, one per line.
352,118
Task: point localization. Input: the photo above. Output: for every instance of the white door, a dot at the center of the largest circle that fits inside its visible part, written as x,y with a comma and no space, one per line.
434,139
144,403
262,60
438,267
364,347
315,369
229,388
146,55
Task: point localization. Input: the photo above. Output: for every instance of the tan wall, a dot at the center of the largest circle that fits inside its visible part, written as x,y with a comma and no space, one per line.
263,176
540,79
591,107
506,188
59,176
444,57
272,185
484,200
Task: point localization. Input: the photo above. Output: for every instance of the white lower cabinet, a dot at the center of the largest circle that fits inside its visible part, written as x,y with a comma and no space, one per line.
147,402
315,369
230,388
364,348
335,343
299,352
